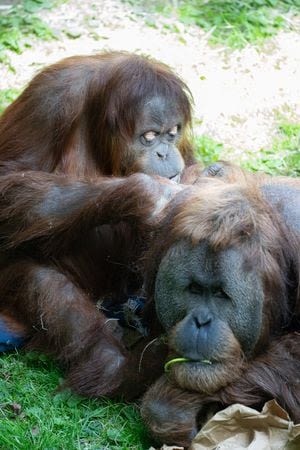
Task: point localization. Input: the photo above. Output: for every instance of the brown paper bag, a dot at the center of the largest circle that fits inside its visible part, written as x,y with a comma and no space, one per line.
240,427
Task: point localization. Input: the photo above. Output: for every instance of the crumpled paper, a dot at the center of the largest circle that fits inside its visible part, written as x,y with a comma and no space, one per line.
240,427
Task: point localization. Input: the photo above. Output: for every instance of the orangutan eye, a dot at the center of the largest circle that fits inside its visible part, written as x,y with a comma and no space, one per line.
220,293
173,131
196,288
150,136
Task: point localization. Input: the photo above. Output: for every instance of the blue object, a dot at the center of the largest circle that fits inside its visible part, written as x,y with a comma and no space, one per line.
9,339
129,314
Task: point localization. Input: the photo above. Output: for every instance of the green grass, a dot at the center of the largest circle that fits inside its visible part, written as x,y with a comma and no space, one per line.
19,24
35,415
232,22
238,22
283,158
7,96
208,150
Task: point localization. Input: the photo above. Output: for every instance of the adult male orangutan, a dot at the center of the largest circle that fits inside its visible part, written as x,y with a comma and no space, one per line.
224,278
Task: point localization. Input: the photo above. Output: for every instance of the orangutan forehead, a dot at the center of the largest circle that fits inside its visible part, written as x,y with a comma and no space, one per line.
224,215
160,112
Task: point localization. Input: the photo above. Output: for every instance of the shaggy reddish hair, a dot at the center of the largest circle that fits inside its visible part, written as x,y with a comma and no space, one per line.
234,214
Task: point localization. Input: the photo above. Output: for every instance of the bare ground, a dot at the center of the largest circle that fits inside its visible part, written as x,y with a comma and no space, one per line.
240,96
